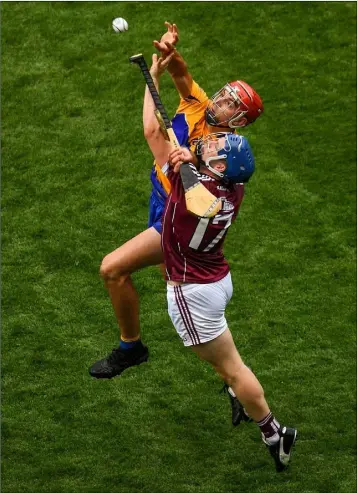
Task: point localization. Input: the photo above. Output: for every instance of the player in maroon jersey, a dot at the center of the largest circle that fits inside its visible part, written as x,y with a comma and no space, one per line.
199,284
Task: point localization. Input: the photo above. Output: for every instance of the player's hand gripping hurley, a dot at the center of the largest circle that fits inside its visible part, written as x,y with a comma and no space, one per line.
199,200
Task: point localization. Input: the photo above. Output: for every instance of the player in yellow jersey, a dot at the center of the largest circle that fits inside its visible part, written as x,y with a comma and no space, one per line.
235,105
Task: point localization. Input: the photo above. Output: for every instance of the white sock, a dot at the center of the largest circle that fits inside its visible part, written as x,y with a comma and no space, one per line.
271,440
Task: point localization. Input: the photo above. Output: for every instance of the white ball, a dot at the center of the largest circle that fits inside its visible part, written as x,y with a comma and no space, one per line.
120,25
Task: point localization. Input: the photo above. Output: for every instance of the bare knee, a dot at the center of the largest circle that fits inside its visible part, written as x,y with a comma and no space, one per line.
230,371
112,270
243,378
231,377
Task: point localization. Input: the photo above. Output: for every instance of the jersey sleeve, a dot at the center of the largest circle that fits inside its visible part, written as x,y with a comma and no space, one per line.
196,100
162,178
188,122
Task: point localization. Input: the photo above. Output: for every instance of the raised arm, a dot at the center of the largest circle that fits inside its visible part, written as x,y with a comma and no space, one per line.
153,135
177,67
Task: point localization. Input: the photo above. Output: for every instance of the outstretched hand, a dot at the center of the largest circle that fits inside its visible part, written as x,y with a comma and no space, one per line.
167,43
159,65
180,156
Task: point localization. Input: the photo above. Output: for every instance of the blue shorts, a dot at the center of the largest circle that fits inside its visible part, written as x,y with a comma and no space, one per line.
156,211
157,202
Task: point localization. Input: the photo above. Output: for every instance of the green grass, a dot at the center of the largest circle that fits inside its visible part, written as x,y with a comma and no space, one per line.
75,185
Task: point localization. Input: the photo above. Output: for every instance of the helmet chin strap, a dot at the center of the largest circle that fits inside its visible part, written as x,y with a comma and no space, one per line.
243,123
226,126
214,158
229,124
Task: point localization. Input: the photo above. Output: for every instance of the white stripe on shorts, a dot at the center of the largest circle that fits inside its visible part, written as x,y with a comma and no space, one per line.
186,316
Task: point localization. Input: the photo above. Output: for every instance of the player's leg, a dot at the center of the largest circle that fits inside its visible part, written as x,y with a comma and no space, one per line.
197,312
222,354
202,304
139,252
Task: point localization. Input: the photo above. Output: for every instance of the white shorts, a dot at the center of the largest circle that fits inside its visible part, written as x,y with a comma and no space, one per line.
197,310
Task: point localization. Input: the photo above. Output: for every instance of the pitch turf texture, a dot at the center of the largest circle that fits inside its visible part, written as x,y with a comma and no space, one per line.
75,185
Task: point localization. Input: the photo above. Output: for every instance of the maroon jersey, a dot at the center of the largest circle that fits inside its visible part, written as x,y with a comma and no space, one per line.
192,245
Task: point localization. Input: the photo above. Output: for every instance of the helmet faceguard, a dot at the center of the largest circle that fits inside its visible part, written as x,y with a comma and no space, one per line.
235,105
232,148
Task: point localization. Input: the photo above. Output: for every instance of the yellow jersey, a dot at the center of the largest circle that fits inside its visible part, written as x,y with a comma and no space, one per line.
189,124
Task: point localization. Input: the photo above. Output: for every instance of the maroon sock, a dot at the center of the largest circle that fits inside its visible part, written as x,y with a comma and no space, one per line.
269,427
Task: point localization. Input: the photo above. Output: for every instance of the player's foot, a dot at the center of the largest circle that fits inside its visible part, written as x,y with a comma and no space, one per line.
238,412
119,360
281,450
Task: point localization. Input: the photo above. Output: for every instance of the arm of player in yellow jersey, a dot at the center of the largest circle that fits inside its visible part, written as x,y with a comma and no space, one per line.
180,75
159,146
177,67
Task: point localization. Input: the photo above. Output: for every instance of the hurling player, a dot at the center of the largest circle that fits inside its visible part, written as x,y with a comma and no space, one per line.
235,105
199,284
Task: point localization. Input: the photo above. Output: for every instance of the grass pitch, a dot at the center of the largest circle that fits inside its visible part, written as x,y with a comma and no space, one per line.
75,185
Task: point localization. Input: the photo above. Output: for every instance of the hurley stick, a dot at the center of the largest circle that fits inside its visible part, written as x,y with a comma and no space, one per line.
199,200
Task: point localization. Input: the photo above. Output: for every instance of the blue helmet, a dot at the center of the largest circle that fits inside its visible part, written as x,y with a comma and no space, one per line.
237,153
